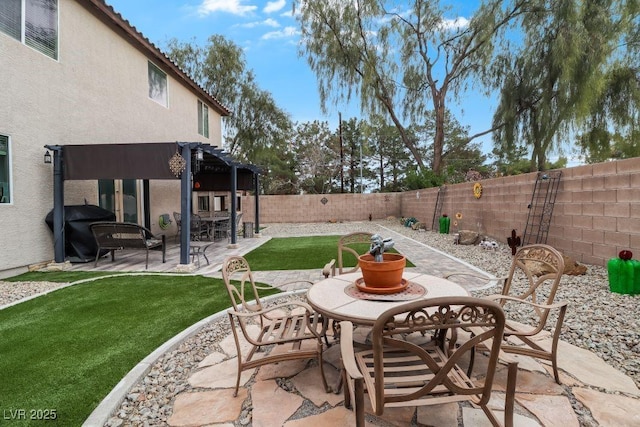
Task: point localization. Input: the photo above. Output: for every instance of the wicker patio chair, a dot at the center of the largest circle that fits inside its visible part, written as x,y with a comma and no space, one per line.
289,324
406,367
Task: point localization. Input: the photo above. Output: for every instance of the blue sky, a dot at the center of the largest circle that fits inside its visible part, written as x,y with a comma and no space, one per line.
268,34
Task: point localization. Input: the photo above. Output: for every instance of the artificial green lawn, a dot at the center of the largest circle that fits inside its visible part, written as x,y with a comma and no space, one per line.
65,351
301,253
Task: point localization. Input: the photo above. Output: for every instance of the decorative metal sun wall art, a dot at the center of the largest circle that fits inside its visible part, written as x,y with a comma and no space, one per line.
477,190
177,164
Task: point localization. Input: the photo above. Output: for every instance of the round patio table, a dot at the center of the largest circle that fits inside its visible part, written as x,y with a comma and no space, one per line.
339,299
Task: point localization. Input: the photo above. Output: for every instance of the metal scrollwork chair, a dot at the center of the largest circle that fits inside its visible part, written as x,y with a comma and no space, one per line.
178,217
199,229
289,324
532,282
347,245
531,286
406,367
238,219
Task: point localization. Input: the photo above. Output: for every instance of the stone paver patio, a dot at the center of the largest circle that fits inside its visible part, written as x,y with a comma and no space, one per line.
291,394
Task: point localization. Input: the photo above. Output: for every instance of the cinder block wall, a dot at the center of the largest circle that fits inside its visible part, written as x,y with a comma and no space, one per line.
322,207
596,214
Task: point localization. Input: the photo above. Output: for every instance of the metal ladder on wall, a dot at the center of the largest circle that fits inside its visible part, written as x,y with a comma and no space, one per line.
437,211
542,202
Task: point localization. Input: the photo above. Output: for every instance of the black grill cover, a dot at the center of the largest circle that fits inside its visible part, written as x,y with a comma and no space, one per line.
80,245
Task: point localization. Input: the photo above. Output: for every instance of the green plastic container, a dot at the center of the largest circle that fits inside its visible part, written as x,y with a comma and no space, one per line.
445,222
624,276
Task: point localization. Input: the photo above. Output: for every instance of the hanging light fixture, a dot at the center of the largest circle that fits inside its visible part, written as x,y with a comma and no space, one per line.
47,157
199,159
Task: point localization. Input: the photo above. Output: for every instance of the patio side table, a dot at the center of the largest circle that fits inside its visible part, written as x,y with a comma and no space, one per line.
197,249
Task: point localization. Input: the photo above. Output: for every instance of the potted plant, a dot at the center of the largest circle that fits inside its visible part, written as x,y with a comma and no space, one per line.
381,271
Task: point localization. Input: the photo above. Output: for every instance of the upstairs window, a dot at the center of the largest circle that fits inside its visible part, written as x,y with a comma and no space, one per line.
203,119
5,175
158,85
32,22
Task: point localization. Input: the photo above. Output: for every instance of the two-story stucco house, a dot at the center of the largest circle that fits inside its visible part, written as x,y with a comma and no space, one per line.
76,72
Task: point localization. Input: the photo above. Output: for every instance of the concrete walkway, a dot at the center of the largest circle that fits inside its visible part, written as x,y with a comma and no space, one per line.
290,394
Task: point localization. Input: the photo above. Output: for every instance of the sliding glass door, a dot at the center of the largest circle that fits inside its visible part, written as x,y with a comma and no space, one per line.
122,197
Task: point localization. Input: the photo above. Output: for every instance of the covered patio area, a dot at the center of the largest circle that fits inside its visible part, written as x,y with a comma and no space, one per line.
198,166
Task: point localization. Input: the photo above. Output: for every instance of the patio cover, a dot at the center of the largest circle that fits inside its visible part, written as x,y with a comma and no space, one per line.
146,161
150,160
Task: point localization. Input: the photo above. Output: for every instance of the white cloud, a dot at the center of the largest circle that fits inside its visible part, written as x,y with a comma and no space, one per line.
234,7
281,34
271,23
274,6
454,24
267,22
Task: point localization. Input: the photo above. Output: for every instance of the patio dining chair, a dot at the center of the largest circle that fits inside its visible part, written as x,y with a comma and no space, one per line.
199,229
532,284
411,364
347,246
238,219
256,326
178,217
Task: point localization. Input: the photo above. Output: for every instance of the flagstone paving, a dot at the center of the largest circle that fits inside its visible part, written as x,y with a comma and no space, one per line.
291,394
281,395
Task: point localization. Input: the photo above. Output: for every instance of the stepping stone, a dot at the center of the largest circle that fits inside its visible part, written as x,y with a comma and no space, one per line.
444,415
309,384
286,369
552,411
272,406
610,409
477,418
228,344
590,369
212,359
222,375
339,416
207,407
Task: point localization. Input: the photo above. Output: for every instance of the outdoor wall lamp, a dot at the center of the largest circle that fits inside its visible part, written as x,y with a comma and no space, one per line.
199,154
47,157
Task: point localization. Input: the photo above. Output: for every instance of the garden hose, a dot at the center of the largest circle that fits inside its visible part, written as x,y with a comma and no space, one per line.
164,222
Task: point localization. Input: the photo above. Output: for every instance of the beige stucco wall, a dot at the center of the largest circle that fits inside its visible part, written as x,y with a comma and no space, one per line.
97,92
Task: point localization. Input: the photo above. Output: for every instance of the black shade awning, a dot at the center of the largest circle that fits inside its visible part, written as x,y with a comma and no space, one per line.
150,160
119,161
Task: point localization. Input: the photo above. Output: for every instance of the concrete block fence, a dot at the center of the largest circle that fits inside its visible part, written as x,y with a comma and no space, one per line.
596,214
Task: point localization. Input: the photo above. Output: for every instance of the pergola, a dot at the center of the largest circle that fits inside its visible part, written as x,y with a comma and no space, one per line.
191,162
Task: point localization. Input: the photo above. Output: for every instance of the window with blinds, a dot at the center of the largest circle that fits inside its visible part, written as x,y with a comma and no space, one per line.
32,22
203,119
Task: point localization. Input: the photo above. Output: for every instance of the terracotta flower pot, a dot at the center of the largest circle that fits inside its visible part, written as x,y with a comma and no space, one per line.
385,274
